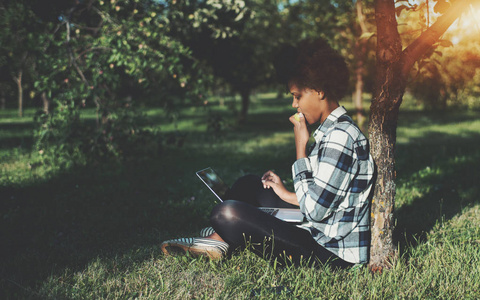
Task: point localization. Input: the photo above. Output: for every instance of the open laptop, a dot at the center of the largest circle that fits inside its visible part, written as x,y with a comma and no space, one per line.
218,187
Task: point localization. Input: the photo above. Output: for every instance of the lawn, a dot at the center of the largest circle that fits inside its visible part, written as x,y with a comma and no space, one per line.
94,231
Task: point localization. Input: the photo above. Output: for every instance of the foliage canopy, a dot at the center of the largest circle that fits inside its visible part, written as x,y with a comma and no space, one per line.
118,55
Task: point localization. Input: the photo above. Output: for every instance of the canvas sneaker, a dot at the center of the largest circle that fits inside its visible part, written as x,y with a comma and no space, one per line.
196,247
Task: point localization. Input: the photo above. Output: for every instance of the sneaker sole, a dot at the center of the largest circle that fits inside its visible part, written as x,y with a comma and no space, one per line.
177,249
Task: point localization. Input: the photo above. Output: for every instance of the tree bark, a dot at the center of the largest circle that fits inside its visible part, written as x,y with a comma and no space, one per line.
3,100
18,81
45,103
382,132
245,95
393,66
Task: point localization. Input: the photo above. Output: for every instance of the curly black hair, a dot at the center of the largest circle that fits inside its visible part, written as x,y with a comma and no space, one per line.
313,64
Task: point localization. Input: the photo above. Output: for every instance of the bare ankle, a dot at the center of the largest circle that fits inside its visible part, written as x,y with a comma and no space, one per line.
215,236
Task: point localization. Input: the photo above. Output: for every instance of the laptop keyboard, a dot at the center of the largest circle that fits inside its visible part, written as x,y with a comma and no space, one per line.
269,211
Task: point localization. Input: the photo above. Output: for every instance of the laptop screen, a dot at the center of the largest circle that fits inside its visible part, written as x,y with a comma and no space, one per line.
214,182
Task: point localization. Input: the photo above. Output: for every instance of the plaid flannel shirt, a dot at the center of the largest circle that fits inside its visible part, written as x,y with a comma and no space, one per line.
333,187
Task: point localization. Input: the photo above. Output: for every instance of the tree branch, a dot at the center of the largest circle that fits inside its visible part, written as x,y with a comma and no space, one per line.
361,17
426,40
92,49
73,61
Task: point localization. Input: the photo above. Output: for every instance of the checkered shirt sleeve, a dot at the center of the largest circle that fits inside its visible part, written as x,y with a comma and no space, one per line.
333,186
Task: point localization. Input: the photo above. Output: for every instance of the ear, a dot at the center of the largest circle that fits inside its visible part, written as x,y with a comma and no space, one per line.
321,95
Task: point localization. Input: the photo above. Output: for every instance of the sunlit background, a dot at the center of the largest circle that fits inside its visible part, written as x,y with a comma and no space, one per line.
467,26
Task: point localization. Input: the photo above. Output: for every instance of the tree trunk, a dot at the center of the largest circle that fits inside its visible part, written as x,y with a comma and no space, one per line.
45,103
382,135
360,57
393,67
358,94
3,100
382,132
18,81
245,95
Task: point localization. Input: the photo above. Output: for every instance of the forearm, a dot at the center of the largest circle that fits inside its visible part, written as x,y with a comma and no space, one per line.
301,151
271,180
290,197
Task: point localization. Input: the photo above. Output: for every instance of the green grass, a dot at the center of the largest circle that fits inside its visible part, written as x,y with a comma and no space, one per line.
94,232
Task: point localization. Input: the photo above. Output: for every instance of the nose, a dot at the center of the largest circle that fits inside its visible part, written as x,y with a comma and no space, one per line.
295,102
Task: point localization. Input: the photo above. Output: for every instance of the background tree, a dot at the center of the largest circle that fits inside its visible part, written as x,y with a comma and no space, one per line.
393,68
96,54
106,54
244,60
363,33
19,37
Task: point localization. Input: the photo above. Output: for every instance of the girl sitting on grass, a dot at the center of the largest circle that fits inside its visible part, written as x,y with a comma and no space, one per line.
333,180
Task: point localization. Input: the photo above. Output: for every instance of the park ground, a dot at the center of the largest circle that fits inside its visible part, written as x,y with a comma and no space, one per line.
94,231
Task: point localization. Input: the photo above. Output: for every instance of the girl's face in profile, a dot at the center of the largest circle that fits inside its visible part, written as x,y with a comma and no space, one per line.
308,102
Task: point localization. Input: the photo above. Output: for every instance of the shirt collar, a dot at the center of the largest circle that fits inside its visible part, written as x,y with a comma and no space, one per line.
329,121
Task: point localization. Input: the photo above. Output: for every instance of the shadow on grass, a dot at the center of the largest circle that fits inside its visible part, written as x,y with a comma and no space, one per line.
21,137
437,178
74,217
419,118
69,219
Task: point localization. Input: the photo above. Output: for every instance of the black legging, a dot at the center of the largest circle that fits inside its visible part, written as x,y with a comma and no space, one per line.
239,222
